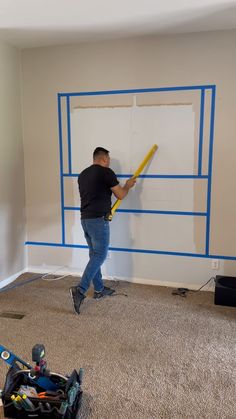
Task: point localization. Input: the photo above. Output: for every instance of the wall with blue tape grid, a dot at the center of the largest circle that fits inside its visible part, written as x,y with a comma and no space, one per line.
202,91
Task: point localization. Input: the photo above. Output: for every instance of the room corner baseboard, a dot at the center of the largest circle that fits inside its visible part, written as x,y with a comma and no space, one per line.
12,278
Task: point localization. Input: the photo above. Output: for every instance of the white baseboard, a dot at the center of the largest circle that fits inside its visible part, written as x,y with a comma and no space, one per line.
54,270
64,270
74,272
190,286
7,281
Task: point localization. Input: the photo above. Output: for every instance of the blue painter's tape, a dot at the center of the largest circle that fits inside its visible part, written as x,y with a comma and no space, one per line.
61,170
68,133
123,249
149,176
210,159
137,211
31,243
128,91
194,214
201,130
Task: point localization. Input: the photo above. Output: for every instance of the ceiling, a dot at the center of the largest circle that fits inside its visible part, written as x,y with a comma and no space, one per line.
35,23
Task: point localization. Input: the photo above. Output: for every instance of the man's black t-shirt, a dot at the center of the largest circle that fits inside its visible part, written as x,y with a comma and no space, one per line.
95,185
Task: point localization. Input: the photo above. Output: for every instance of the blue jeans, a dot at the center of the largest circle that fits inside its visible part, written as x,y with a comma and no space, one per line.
97,235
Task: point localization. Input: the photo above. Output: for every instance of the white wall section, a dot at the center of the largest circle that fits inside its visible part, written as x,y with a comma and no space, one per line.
12,188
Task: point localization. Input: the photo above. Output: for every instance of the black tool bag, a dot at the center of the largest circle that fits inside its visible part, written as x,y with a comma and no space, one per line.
64,407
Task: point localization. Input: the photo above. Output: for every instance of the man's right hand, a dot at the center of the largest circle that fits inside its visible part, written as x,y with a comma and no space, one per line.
120,192
130,182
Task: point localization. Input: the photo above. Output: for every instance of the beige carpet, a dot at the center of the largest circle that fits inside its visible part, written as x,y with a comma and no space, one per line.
147,355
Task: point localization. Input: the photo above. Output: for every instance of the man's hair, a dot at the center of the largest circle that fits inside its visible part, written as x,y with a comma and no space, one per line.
100,152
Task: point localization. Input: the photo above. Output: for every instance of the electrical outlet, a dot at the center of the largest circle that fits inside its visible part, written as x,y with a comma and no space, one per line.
215,264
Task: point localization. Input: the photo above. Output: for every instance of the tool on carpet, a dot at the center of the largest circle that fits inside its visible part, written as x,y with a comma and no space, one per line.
38,392
180,291
183,292
135,175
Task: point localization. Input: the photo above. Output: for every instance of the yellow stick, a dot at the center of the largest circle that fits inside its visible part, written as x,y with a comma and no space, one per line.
136,174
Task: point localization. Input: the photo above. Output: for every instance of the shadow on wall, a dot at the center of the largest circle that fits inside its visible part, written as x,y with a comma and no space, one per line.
124,231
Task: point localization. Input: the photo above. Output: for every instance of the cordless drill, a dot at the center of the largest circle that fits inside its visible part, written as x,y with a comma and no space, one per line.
38,354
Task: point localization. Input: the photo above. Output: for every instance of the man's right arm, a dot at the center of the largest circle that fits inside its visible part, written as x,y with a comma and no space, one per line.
120,192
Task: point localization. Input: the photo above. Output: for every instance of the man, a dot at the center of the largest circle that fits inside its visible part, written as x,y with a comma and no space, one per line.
96,185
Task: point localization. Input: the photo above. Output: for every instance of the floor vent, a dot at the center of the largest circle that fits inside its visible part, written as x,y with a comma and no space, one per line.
12,315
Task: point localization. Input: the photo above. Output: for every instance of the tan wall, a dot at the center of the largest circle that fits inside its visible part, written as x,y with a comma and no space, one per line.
195,59
12,198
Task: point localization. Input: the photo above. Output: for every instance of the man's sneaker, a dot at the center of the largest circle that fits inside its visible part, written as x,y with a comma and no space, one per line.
106,291
77,298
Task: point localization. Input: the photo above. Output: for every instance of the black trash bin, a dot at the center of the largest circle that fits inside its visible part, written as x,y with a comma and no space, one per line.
225,290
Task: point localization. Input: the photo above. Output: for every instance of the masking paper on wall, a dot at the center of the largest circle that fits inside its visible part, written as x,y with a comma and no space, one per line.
129,132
